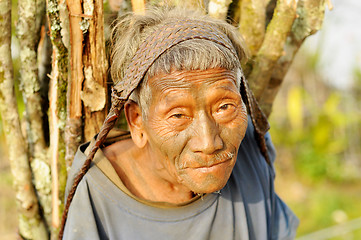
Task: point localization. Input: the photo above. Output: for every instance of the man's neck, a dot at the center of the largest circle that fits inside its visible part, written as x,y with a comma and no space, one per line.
142,177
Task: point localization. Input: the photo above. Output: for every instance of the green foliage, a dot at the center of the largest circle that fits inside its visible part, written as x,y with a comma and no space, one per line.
327,207
316,131
316,135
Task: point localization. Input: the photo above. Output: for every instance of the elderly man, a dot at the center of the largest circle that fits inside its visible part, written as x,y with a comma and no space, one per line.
197,163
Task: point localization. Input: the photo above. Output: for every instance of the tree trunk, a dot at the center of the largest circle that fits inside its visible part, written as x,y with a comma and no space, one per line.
31,224
94,92
28,38
74,126
58,112
272,46
309,21
252,23
31,16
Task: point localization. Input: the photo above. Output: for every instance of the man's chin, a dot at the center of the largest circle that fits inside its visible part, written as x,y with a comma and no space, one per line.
205,190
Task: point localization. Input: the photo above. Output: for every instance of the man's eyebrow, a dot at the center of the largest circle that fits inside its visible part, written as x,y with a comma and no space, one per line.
176,83
228,88
166,82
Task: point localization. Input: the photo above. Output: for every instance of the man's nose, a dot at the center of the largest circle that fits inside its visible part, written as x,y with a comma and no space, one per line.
206,138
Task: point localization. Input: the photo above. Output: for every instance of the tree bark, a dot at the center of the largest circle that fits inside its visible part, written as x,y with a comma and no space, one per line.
30,86
74,125
58,112
94,93
252,23
44,66
272,47
76,53
200,5
31,14
309,21
31,224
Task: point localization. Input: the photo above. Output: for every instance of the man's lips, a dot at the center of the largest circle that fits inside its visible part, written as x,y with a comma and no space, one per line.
208,165
209,161
212,165
217,167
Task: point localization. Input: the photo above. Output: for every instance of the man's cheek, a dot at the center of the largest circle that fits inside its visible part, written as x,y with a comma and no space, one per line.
233,136
173,145
161,129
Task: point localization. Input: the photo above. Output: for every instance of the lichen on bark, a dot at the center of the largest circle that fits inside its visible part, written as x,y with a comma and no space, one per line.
58,107
30,85
310,14
272,46
252,23
31,224
42,177
31,16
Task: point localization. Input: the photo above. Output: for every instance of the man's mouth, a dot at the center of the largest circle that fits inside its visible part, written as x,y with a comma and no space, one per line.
215,165
213,162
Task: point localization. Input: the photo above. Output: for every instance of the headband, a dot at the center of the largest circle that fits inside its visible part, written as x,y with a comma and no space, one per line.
165,37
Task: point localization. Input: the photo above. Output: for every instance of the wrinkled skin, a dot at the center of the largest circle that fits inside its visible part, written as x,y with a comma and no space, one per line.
196,121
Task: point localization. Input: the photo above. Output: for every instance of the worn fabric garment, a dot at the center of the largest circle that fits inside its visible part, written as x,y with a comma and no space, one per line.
246,208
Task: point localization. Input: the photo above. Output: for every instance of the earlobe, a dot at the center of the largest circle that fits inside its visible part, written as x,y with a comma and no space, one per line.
139,138
134,118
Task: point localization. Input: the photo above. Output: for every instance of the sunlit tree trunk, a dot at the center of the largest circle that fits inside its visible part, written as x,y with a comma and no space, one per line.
74,126
95,65
31,223
31,17
310,14
57,110
274,31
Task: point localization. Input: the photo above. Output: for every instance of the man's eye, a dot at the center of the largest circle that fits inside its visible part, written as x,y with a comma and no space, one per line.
225,107
178,115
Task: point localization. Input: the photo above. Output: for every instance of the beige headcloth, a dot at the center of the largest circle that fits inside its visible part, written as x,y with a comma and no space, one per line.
165,37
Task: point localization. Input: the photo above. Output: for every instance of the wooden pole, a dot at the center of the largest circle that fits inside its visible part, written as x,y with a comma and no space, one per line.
58,113
94,92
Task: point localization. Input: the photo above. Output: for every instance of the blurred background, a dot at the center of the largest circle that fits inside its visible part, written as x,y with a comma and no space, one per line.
315,126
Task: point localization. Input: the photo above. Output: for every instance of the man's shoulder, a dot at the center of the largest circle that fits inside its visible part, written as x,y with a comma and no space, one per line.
251,173
79,159
84,149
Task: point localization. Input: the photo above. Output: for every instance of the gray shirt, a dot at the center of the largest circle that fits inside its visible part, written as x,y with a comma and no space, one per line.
246,208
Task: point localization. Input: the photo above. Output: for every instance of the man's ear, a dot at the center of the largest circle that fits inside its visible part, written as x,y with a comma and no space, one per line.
134,118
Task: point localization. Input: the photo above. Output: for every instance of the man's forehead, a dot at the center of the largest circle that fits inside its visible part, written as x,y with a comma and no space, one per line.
183,79
164,38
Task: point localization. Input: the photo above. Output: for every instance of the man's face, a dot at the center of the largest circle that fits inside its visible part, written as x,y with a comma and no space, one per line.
196,122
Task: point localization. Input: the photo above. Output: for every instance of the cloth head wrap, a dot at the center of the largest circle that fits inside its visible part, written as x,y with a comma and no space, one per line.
165,37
